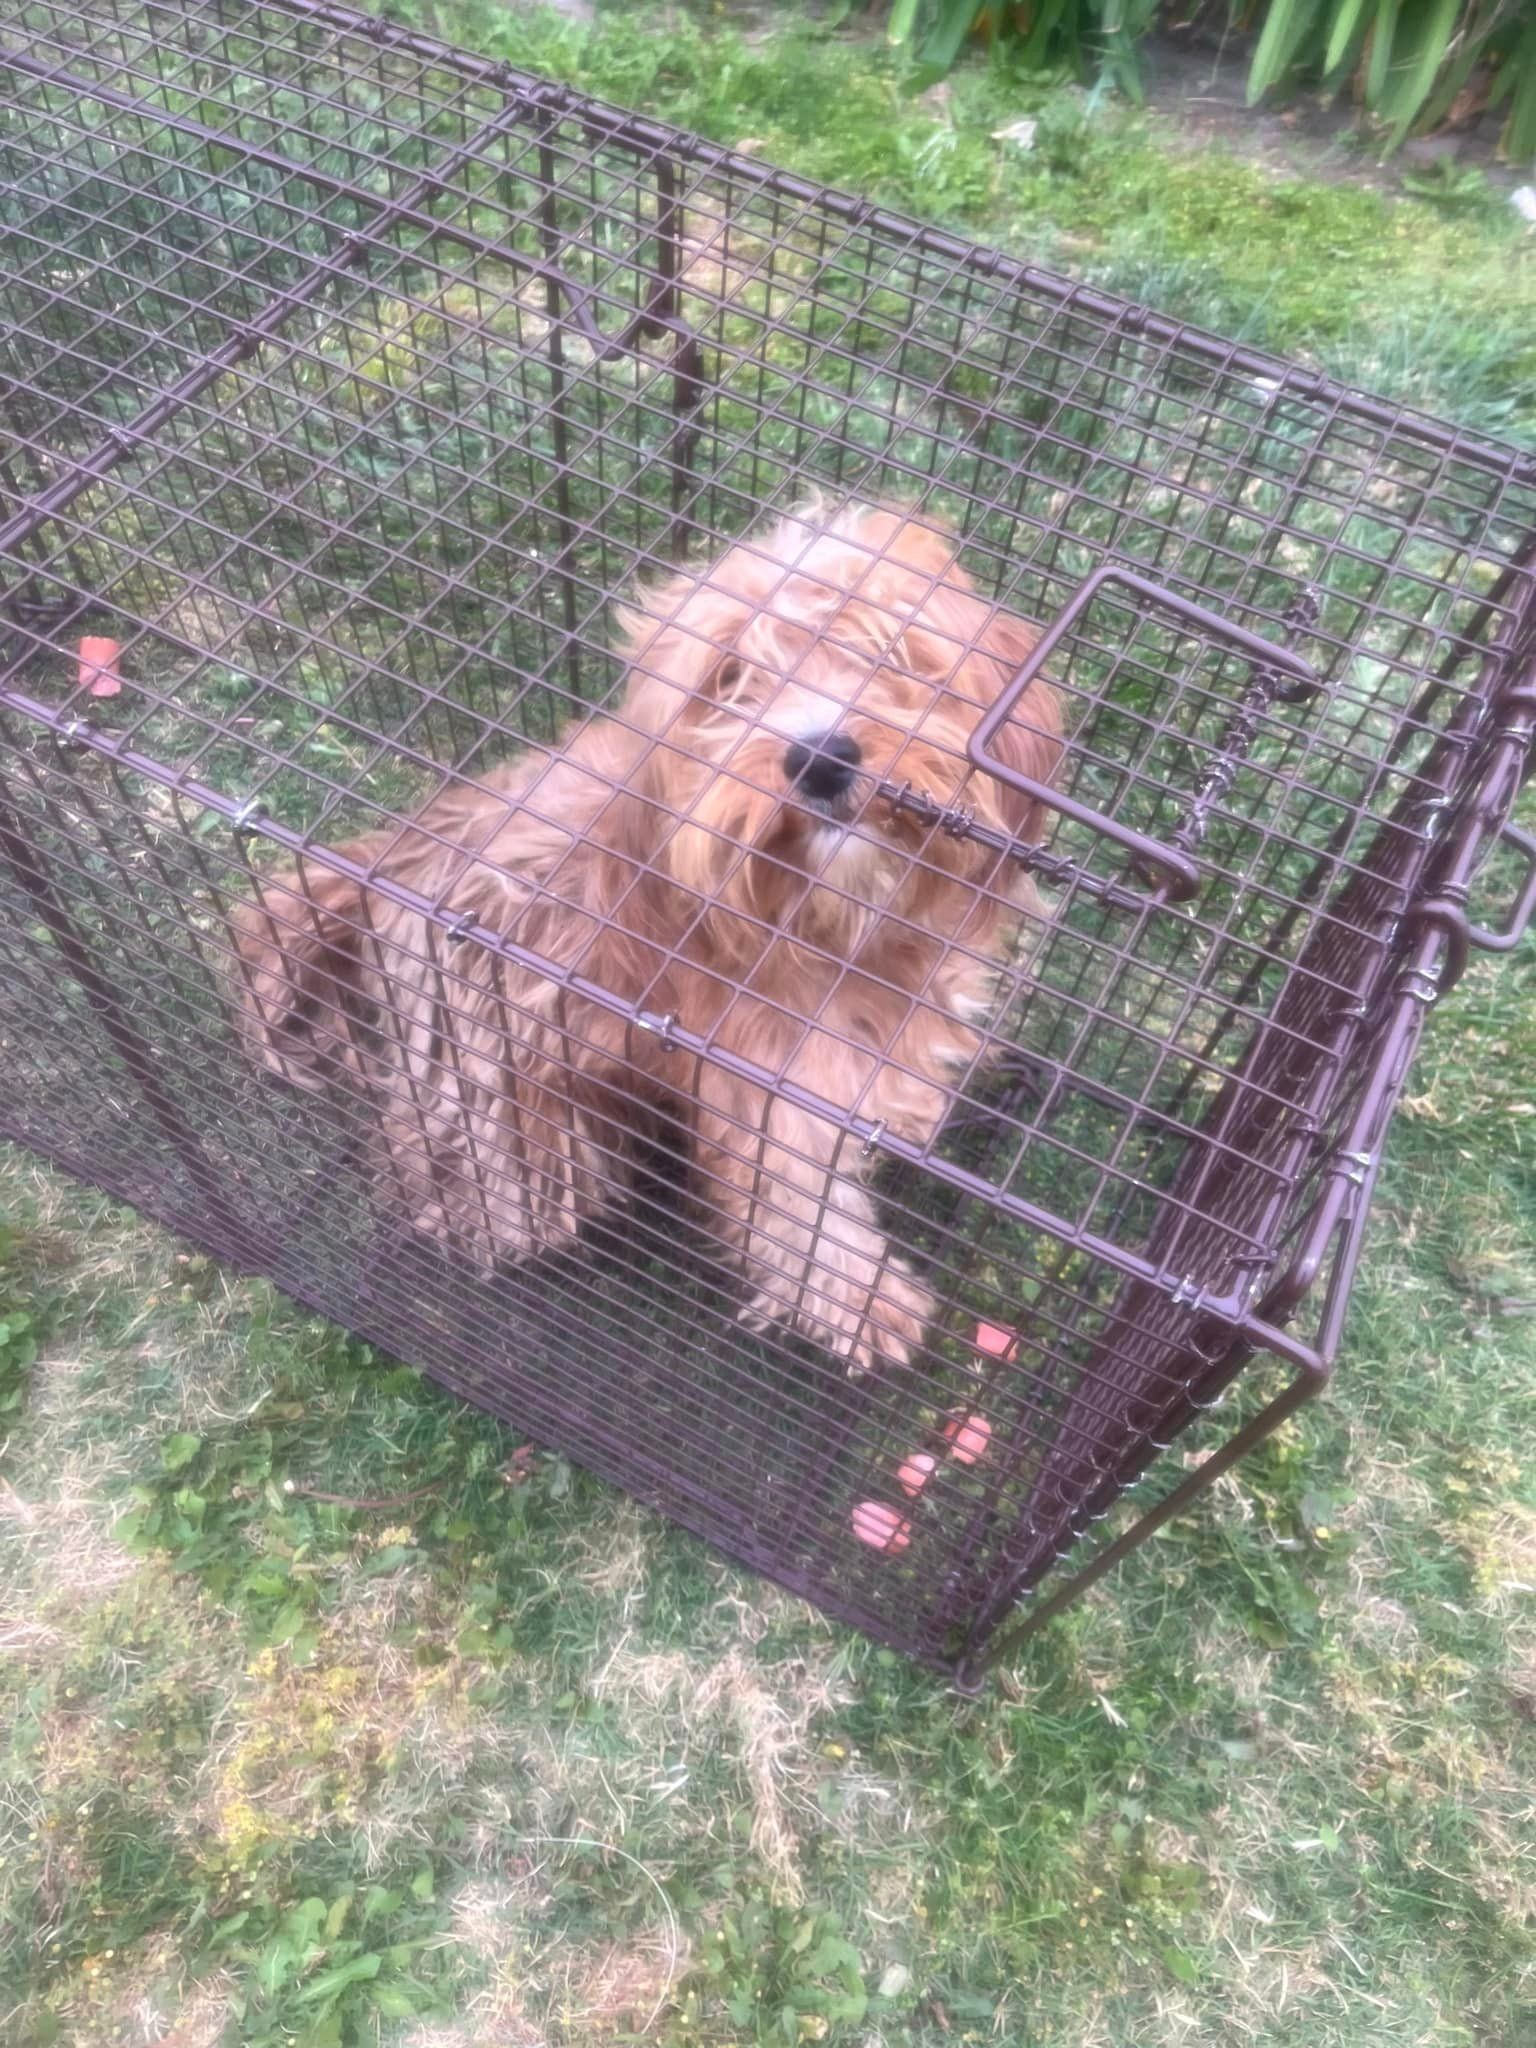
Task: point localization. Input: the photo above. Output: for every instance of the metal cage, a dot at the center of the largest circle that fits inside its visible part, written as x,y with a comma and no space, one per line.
348,381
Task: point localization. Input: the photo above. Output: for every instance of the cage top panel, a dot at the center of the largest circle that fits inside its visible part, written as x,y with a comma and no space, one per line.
409,103
224,159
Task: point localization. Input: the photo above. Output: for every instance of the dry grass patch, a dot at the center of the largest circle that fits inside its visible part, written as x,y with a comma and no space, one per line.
750,1718
57,1537
1501,1543
357,1738
140,2001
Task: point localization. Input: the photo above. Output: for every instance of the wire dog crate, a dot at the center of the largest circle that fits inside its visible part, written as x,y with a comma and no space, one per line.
350,381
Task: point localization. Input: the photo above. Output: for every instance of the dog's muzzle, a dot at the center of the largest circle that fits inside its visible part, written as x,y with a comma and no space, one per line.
822,769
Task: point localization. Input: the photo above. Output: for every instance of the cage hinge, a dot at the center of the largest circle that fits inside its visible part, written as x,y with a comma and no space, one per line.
73,732
663,1028
1353,1166
1432,811
1418,985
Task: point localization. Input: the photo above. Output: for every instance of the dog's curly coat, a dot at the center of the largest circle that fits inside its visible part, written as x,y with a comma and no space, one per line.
712,848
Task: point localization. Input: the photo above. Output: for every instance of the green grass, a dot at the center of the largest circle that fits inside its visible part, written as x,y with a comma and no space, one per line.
329,1714
1432,302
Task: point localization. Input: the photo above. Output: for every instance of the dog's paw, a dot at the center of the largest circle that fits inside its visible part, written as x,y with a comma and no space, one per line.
862,1318
889,1321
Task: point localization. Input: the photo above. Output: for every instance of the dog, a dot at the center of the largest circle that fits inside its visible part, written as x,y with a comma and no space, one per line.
721,849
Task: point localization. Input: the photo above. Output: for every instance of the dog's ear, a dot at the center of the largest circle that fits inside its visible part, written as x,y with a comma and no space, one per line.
299,973
681,660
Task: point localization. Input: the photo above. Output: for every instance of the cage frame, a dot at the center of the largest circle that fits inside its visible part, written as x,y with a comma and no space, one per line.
1494,742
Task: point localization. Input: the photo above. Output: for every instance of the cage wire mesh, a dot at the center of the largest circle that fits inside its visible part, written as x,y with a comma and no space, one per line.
350,383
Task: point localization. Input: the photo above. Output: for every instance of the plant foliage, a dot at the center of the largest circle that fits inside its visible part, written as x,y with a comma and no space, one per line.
1093,38
1409,62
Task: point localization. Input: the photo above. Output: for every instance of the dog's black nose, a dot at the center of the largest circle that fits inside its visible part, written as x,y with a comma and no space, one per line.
822,768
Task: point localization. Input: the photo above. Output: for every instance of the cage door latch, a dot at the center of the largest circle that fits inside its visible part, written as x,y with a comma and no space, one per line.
1167,869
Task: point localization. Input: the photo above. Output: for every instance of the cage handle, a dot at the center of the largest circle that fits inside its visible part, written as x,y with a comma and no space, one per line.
1176,874
1522,842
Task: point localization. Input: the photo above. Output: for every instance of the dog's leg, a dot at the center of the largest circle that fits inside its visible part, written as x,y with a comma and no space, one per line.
781,1188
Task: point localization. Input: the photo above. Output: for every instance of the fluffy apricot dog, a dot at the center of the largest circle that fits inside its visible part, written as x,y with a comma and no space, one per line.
716,848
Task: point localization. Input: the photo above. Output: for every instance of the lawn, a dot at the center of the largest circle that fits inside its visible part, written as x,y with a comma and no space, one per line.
333,1713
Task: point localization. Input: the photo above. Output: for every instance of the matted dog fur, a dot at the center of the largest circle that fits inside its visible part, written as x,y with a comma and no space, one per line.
711,848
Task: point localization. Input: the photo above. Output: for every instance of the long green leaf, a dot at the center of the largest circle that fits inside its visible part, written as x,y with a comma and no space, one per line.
1519,136
1470,53
329,1982
955,22
1347,24
1040,39
1285,29
1422,52
1125,24
1424,60
1382,32
899,27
